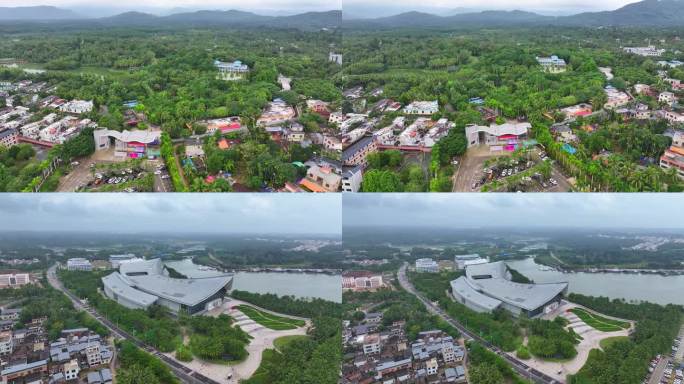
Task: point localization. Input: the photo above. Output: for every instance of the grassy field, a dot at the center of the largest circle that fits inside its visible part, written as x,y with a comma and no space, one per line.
600,323
605,343
270,321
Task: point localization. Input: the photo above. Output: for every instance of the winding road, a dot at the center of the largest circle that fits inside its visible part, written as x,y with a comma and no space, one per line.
521,368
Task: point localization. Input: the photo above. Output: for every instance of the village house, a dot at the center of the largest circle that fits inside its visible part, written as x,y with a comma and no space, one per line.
552,64
422,108
231,71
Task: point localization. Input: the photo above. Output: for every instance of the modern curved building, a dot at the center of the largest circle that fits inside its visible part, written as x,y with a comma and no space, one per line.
487,287
139,284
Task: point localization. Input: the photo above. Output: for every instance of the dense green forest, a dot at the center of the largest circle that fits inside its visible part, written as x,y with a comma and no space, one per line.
626,361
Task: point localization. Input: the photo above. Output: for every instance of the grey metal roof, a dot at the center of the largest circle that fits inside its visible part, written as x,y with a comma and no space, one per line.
526,296
184,291
356,147
149,267
491,281
463,289
122,287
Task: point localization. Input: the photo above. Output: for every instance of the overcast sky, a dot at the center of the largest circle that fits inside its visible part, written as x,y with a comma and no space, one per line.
359,8
365,8
515,210
181,213
107,7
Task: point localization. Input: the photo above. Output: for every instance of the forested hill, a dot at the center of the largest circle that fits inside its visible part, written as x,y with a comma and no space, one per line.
646,13
33,16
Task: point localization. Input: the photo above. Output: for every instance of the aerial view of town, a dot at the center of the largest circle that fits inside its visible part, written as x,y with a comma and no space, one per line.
107,300
512,101
465,289
188,102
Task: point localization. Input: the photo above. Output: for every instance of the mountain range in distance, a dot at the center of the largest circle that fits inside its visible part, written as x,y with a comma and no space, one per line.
208,18
646,13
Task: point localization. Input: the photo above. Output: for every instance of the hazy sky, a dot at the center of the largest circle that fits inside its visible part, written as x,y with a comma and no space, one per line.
364,8
516,210
209,213
163,6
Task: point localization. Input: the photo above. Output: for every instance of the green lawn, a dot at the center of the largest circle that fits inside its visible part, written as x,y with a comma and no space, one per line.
281,342
605,343
270,321
598,322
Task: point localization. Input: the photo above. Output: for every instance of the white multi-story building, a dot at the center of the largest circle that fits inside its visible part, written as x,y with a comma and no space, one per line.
6,343
650,51
79,264
231,71
77,106
667,97
552,64
431,366
93,355
422,108
371,344
71,370
427,265
12,280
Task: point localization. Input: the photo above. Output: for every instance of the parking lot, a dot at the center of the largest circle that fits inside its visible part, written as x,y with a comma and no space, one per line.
85,174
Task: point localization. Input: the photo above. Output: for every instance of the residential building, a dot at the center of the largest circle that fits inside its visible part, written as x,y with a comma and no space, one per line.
431,366
17,372
71,370
616,98
371,344
103,376
324,177
356,153
352,179
673,158
79,264
231,71
276,113
552,64
10,314
667,98
361,280
427,265
6,343
650,51
93,355
422,108
77,107
9,137
284,82
335,58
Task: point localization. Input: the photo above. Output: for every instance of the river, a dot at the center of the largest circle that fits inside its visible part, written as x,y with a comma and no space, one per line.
647,287
301,285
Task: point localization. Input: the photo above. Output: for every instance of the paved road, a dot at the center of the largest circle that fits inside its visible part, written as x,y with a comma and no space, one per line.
185,374
521,368
658,371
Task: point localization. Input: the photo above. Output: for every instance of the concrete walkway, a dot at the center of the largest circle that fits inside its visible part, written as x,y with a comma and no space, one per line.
591,339
262,339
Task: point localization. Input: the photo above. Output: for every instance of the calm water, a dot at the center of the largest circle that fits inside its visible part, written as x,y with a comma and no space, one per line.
300,285
653,288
